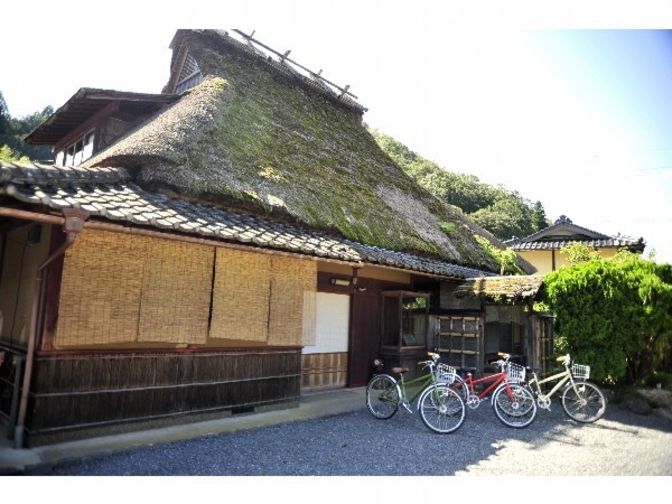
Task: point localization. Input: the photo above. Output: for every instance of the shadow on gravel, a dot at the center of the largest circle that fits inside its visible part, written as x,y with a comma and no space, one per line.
626,417
356,444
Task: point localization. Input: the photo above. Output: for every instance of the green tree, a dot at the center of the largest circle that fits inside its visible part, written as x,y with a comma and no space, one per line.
613,314
4,116
578,253
538,218
13,130
506,258
508,216
7,154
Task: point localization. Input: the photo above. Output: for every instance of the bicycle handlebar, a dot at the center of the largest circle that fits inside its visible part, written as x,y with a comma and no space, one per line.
501,363
435,357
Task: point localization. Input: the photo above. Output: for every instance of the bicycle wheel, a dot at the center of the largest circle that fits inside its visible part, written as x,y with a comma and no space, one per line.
382,396
517,409
461,387
441,408
584,403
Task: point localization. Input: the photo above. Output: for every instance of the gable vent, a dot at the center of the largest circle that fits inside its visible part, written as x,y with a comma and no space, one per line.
190,75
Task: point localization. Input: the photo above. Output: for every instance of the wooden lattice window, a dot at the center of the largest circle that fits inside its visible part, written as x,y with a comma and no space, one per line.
461,340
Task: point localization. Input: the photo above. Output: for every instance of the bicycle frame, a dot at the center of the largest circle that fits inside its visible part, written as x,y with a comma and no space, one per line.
424,381
513,404
499,380
496,380
563,377
441,408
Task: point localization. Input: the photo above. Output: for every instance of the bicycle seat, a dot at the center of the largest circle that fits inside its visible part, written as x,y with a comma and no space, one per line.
399,370
469,369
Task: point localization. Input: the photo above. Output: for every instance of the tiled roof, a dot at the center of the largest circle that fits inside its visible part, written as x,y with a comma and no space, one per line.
510,287
615,242
109,194
564,232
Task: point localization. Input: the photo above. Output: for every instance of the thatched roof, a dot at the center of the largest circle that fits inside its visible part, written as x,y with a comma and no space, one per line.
252,138
513,288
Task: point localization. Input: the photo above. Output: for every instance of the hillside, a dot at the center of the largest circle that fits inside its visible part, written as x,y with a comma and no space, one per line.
503,212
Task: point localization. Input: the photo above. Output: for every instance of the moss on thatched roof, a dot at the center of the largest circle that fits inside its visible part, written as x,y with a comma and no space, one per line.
248,137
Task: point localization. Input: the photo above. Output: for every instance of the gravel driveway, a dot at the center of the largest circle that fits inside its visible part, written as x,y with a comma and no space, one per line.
621,443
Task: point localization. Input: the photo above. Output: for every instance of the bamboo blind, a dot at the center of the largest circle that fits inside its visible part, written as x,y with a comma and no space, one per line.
262,298
100,293
177,281
149,290
241,296
138,289
292,281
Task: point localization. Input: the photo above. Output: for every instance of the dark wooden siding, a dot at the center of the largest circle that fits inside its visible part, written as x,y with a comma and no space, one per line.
75,392
11,374
542,344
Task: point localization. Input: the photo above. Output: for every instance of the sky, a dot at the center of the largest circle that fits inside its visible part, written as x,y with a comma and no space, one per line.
567,103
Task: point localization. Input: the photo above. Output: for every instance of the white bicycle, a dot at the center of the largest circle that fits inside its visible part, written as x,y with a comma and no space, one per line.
582,400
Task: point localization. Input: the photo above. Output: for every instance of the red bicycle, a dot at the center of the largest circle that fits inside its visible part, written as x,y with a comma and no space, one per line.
513,403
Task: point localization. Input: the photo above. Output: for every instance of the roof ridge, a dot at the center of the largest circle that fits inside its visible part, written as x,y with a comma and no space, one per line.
560,224
282,63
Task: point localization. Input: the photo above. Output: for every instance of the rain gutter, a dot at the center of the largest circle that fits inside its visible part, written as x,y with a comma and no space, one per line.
73,222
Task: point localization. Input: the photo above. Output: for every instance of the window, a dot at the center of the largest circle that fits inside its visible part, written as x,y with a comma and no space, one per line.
77,152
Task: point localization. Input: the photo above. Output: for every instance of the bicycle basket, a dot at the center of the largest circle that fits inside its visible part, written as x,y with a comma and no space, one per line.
580,371
445,373
515,372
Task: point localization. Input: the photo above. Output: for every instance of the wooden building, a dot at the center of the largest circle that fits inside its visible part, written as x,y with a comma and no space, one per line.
503,320
213,249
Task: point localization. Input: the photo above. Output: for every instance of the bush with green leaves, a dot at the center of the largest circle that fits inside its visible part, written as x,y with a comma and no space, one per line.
613,314
8,154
